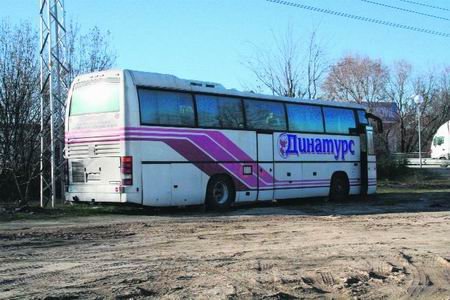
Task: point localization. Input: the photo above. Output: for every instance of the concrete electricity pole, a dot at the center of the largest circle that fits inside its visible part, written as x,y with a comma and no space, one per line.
418,99
53,93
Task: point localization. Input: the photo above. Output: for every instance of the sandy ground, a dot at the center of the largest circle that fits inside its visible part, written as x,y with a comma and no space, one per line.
388,247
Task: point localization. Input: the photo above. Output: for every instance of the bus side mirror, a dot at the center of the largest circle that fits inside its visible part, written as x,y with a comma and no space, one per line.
377,120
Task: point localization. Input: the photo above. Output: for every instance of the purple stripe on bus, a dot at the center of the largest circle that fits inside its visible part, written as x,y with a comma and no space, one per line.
212,138
148,139
206,142
192,153
215,135
84,136
209,143
207,158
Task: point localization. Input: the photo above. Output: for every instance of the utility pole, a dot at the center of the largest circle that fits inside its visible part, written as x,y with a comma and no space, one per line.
53,93
418,99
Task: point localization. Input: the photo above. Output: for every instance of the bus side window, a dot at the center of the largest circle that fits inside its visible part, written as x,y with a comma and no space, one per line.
265,115
166,108
217,111
307,118
339,120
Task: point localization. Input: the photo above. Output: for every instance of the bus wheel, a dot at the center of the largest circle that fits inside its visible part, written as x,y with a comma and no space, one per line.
220,193
340,188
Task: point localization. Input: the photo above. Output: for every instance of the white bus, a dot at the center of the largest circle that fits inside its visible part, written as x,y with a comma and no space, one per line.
157,140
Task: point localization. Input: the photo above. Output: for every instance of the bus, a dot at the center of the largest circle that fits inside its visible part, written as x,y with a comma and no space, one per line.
158,140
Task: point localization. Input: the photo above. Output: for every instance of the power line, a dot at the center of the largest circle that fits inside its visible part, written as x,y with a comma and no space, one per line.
360,18
424,4
406,10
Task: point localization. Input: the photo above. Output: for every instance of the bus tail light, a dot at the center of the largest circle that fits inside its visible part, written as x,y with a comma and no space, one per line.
126,170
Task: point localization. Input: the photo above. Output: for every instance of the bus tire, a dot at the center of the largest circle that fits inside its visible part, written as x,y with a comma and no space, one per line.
220,193
340,187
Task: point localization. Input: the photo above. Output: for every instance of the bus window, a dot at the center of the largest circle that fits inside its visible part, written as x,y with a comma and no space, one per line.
339,120
166,108
222,112
265,115
306,118
92,97
362,117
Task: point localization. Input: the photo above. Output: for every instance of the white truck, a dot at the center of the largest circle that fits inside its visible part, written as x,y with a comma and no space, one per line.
440,146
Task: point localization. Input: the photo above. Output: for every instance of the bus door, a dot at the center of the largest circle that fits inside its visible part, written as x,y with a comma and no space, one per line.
365,132
265,166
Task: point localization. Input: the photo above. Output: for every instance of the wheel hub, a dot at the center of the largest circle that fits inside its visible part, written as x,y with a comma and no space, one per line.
220,192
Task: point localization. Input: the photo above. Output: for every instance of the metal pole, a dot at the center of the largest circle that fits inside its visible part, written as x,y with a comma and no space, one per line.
41,157
52,112
420,138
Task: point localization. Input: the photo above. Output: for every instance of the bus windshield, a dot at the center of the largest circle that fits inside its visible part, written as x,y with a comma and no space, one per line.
95,97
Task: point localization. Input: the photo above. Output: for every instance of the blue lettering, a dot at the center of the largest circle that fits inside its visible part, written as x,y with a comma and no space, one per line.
344,148
328,146
297,145
351,147
337,149
292,145
318,147
310,145
302,145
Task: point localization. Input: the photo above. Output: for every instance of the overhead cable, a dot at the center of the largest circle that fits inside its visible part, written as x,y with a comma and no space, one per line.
360,18
424,4
406,10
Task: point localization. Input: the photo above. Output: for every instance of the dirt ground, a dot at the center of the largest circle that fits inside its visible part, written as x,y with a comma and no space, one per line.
395,246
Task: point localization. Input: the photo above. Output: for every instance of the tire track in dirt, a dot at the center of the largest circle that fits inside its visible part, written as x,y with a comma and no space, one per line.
265,257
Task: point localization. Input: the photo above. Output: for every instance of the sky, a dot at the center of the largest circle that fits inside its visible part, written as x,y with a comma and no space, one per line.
210,39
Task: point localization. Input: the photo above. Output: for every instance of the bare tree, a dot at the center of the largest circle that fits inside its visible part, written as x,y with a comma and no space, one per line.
435,109
357,79
19,111
399,90
20,105
317,66
285,71
88,52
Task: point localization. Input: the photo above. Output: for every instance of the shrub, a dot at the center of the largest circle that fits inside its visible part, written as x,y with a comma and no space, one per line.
389,167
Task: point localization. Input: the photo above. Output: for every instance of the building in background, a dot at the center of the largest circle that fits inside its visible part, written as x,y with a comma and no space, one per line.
388,112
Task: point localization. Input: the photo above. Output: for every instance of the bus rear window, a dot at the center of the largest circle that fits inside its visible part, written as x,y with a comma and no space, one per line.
94,97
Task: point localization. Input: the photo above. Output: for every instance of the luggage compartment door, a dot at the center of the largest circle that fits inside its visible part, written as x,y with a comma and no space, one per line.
156,184
186,184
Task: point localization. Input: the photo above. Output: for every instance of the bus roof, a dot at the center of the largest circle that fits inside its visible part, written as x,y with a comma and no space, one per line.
166,81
